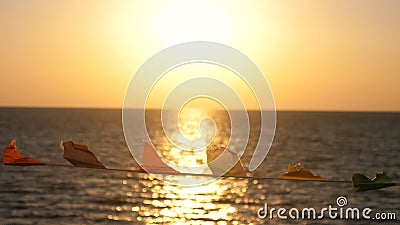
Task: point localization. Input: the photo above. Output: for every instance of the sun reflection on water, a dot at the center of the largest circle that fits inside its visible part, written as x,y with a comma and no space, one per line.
142,198
190,134
160,202
148,200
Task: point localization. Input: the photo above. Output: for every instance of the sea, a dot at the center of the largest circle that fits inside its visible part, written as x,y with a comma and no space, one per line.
333,145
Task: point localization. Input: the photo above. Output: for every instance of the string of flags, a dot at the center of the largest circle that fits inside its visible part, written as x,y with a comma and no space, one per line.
80,156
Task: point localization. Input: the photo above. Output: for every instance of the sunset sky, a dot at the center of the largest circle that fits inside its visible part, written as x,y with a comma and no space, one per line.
316,55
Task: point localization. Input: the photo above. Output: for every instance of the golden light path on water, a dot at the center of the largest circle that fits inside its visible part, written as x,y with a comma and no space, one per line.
190,134
211,203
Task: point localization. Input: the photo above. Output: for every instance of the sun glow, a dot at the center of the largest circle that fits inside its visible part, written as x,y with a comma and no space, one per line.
192,20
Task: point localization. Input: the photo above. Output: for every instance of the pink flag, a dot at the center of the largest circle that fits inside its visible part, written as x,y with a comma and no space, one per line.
152,163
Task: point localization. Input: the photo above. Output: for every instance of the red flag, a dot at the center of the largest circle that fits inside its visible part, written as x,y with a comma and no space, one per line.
12,157
152,163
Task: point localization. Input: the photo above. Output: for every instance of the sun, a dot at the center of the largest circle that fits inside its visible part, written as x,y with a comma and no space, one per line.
190,20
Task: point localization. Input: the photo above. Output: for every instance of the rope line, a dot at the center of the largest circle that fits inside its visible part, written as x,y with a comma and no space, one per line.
202,175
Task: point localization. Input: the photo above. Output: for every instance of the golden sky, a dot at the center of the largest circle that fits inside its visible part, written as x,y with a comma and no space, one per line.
316,55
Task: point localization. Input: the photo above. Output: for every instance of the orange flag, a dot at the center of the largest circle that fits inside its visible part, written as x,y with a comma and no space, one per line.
12,157
152,163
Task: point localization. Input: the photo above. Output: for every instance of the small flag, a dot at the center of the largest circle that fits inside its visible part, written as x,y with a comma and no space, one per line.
229,158
79,155
363,183
296,172
12,157
152,163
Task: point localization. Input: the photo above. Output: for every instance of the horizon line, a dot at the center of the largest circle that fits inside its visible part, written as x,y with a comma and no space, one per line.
250,110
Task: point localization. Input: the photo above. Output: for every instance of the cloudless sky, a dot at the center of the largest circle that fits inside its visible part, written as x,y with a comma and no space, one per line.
316,55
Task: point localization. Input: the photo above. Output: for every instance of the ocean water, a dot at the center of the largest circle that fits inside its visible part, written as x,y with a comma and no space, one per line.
332,144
